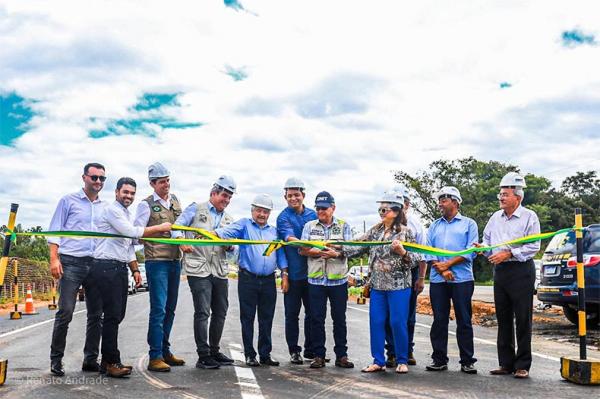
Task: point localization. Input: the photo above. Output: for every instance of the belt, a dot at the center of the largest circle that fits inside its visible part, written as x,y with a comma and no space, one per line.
109,262
244,271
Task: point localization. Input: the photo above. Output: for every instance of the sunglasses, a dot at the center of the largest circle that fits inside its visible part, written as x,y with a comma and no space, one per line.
321,208
96,178
383,211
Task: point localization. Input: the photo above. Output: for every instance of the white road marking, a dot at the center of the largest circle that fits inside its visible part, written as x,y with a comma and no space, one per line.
483,341
248,385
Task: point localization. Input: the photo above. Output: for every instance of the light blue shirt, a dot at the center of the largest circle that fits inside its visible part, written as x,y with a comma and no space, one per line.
346,232
454,235
116,219
521,223
75,212
187,216
416,228
251,256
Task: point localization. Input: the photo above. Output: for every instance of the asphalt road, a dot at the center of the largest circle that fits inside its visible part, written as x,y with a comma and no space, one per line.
26,344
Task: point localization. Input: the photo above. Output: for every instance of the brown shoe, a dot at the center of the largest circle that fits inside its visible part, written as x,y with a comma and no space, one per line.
520,373
344,363
317,363
411,360
158,365
500,371
117,370
173,360
103,366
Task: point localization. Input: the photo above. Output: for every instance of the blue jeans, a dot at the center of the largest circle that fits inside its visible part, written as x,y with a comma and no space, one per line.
163,284
411,322
392,305
441,294
257,294
338,299
293,300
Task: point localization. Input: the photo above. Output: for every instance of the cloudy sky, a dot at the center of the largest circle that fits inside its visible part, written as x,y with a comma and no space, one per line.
339,93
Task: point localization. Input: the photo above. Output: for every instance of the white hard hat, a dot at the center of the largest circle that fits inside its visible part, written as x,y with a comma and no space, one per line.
513,179
392,197
450,191
263,201
227,183
294,182
156,171
401,189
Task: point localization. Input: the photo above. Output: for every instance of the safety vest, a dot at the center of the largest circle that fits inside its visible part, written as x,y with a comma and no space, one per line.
158,215
335,268
210,260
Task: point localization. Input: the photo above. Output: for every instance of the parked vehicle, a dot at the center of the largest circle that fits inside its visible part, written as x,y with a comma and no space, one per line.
359,274
142,268
559,274
131,288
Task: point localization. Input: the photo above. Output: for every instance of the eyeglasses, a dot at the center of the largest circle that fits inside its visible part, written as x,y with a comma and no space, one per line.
96,178
321,208
383,211
503,195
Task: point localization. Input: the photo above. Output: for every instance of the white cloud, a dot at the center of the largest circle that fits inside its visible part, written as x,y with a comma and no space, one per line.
437,69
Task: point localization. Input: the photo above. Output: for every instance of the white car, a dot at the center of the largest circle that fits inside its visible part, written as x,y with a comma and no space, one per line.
142,268
131,288
359,274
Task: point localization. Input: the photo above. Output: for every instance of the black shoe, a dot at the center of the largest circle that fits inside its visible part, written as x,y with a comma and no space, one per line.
251,361
222,359
57,368
468,368
269,361
411,360
295,358
90,366
391,361
308,355
436,367
207,362
344,363
317,363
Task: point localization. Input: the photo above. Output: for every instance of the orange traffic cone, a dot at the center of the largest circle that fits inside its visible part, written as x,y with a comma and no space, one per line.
29,308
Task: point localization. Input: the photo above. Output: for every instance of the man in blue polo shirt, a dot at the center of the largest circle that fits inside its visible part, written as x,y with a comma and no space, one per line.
290,223
451,280
256,279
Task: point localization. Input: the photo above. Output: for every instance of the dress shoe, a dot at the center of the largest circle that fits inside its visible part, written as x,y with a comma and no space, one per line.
295,358
390,361
411,360
344,363
57,368
103,366
173,360
500,371
90,366
520,373
222,359
251,361
269,361
468,368
436,367
207,362
158,365
317,363
116,370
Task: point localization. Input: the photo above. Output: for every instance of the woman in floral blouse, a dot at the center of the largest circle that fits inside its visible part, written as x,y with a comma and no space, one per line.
390,271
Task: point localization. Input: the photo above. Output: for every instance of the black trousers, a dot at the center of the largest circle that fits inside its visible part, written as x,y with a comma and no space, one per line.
111,280
513,296
293,300
257,295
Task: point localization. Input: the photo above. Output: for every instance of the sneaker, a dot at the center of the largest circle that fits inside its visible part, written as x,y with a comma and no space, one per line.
222,359
390,362
468,368
436,367
207,362
344,363
295,358
158,365
411,360
173,360
317,363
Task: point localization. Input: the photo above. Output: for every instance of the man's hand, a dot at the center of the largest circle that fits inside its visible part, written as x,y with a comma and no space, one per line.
329,253
448,275
440,266
137,277
419,285
56,268
186,248
285,283
499,257
165,227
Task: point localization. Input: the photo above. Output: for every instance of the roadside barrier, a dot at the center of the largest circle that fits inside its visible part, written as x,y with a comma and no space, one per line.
29,308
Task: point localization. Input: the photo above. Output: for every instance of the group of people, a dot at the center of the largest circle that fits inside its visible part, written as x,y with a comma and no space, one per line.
310,277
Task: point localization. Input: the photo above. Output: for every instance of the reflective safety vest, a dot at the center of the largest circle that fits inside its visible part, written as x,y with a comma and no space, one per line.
335,268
